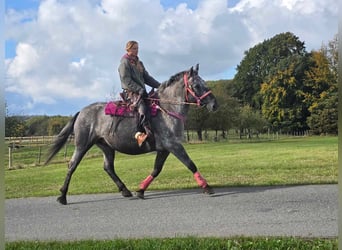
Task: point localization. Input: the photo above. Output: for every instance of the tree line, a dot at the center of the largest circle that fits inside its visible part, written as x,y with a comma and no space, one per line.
42,125
292,89
278,87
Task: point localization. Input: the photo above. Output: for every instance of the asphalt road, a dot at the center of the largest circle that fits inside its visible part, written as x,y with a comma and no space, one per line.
307,211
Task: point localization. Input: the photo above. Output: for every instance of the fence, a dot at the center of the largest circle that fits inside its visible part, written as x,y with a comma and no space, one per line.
32,151
29,140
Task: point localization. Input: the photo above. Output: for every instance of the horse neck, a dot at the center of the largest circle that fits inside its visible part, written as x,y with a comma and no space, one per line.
172,98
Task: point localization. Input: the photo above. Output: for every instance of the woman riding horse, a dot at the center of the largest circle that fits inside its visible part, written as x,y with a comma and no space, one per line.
134,76
91,126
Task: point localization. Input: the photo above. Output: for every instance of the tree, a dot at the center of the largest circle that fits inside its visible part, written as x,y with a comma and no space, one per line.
56,123
319,78
321,94
331,53
323,119
250,120
14,125
283,95
259,62
227,114
196,120
37,125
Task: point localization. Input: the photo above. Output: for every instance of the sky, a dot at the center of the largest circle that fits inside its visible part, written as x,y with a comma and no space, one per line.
61,55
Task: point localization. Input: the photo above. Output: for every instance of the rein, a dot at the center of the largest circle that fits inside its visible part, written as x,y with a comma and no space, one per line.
173,114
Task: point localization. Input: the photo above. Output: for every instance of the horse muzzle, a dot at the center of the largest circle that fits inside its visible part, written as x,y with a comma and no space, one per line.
212,105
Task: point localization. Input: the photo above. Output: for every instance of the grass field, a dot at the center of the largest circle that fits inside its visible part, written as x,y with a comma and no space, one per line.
300,160
190,243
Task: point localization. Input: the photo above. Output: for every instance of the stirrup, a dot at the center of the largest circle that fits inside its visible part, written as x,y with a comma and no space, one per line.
140,137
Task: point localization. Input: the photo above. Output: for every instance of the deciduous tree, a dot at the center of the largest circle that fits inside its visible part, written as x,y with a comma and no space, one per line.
283,95
260,61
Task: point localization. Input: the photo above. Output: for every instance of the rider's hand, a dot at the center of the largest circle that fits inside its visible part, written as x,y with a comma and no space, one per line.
142,92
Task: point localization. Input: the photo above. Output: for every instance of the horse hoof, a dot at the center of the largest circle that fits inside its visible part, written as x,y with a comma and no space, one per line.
126,193
62,200
140,194
208,190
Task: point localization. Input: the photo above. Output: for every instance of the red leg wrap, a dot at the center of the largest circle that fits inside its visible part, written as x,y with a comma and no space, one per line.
145,183
200,180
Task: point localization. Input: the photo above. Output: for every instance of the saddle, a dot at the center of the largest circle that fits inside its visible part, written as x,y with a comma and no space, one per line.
127,107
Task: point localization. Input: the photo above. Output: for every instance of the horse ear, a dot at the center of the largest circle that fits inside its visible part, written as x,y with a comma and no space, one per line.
197,67
191,71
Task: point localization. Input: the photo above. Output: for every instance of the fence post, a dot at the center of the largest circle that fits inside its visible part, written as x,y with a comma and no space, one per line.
39,153
10,157
65,150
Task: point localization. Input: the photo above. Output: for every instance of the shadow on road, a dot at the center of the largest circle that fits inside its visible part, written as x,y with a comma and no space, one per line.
219,191
150,195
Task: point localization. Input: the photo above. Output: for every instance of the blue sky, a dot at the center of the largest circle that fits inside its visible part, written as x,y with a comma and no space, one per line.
62,55
21,4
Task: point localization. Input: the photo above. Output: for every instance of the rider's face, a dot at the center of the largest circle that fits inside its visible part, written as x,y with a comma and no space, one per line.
134,50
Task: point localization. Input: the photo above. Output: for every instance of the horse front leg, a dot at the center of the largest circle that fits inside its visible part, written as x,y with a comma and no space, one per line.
158,166
179,151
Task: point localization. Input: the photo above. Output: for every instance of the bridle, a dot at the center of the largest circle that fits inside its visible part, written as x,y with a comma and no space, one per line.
188,89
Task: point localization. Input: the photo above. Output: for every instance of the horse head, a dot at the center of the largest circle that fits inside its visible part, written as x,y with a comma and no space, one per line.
197,91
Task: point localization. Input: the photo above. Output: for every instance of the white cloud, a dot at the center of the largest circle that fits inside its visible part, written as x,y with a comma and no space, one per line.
313,21
25,62
71,49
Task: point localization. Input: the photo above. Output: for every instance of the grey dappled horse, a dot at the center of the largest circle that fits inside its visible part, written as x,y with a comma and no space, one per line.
91,126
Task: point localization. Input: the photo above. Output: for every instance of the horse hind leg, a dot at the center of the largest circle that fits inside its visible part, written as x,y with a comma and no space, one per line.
73,163
108,155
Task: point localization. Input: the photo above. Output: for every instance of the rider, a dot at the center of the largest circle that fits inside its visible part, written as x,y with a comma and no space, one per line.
134,76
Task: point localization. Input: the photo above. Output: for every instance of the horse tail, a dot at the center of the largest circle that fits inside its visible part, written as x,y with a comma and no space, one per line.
62,138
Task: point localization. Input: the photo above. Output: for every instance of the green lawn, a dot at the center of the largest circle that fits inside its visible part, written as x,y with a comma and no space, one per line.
300,160
184,244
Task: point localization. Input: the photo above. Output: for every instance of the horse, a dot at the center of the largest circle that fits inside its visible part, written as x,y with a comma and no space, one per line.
91,126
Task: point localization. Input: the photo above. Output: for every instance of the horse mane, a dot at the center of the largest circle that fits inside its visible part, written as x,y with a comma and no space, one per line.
176,77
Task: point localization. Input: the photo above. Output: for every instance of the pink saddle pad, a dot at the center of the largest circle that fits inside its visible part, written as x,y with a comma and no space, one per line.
116,109
121,109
